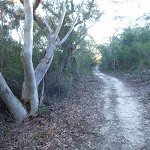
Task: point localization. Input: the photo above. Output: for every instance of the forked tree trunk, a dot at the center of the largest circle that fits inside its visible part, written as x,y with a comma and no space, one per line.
29,91
31,94
33,78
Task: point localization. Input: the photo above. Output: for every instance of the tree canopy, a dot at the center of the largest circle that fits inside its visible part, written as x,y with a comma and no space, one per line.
56,31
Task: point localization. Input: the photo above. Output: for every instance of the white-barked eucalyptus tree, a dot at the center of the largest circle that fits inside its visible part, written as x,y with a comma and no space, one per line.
32,78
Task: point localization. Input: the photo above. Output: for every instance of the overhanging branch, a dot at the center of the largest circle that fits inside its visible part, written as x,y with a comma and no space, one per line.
61,20
69,32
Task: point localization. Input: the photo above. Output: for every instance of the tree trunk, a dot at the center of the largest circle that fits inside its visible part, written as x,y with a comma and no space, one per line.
30,92
14,105
42,93
66,60
2,39
45,63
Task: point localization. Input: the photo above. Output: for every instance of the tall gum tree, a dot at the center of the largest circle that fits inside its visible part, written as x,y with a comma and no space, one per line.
32,78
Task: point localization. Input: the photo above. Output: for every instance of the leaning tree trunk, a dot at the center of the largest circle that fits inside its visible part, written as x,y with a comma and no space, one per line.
30,92
15,107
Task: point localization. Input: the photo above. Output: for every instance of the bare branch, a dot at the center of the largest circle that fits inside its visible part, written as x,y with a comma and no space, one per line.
38,18
21,1
61,20
42,24
68,33
36,5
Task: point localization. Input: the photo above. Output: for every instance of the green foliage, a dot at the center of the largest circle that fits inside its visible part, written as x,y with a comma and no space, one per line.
72,59
85,62
12,67
84,57
106,62
43,110
129,52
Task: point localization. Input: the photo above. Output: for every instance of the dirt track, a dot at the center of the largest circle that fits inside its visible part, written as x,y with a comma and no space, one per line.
105,113
125,127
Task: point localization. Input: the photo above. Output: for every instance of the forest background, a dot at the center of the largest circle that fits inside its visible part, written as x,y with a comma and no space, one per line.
127,51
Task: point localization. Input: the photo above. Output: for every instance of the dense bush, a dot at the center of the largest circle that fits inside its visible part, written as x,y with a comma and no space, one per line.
129,51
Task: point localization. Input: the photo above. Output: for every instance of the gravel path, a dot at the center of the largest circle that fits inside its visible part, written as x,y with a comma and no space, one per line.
125,127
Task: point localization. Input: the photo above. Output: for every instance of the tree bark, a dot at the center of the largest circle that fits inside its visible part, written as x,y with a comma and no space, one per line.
42,92
2,38
31,93
15,107
45,63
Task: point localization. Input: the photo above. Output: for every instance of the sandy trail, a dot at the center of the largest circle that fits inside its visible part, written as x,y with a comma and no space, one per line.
124,129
